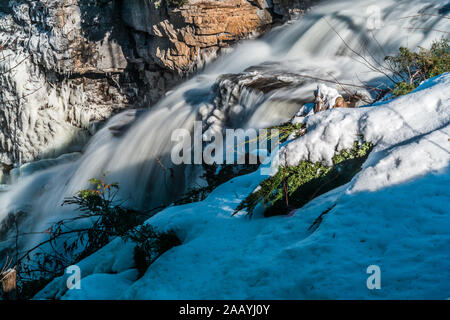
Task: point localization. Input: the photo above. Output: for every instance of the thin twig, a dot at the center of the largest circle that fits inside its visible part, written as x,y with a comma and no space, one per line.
427,29
426,14
367,63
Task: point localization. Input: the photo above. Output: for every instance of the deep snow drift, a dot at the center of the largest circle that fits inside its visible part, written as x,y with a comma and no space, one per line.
393,214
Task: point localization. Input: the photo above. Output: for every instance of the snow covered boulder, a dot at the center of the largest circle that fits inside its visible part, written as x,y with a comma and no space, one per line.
325,98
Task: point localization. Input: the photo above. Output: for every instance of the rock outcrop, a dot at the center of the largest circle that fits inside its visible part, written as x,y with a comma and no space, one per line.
66,65
181,38
59,76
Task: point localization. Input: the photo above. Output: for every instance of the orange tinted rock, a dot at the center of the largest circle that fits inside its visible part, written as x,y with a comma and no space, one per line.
198,26
340,103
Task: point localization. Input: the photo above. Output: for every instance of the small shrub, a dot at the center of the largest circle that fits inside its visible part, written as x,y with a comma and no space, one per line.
110,219
403,88
414,67
70,243
305,181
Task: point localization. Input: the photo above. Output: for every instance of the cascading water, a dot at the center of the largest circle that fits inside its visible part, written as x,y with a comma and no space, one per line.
134,148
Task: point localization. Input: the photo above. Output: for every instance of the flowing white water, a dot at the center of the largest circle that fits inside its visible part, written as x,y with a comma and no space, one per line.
138,158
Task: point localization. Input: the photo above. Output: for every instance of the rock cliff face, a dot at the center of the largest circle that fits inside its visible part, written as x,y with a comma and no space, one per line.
59,74
181,38
66,65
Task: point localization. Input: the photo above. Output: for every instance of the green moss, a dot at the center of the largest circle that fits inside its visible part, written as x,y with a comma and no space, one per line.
305,181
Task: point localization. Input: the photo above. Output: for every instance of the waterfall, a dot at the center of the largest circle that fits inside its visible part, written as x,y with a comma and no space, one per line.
133,148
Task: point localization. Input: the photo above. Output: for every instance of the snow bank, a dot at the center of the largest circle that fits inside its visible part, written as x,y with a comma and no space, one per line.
392,214
386,125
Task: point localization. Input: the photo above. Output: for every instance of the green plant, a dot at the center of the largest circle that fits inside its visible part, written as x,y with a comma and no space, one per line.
402,88
68,242
101,205
411,68
293,186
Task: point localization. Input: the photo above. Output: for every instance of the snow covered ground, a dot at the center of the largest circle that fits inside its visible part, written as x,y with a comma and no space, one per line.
394,214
